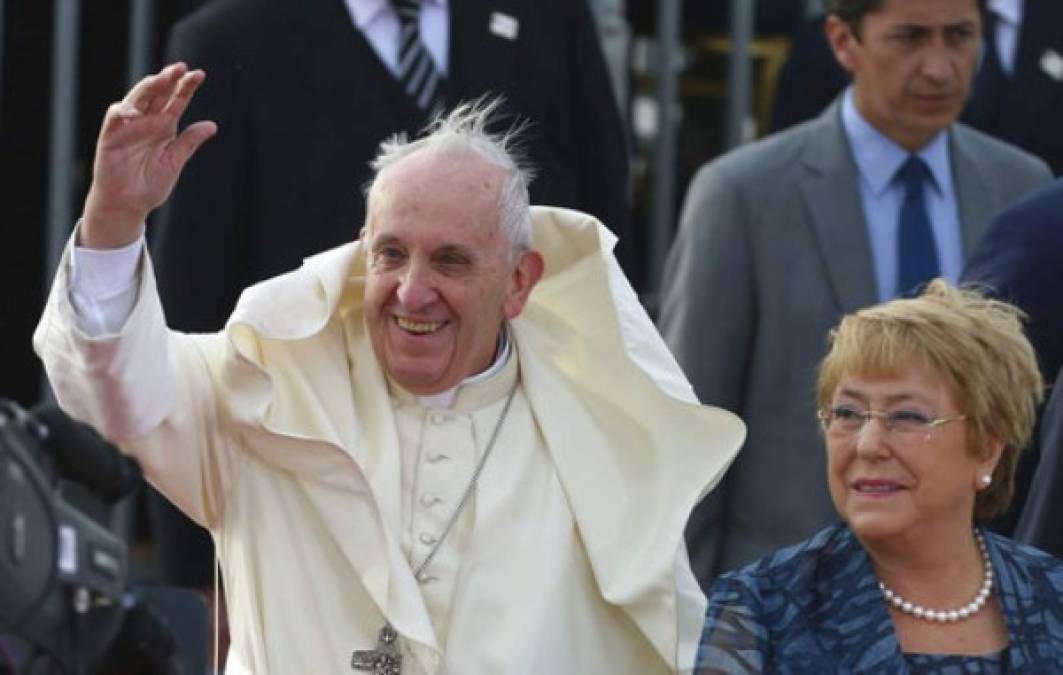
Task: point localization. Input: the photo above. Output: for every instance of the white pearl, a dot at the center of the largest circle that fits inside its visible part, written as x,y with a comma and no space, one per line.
946,615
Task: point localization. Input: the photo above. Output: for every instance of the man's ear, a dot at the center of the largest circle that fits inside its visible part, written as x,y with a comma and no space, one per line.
527,272
843,42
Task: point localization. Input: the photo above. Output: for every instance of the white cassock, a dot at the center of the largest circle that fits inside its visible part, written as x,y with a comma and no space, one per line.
324,488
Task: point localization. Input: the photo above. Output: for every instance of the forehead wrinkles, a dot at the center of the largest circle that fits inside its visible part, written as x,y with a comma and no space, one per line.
457,189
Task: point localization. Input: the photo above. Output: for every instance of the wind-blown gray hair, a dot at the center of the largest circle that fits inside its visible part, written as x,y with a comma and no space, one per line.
464,133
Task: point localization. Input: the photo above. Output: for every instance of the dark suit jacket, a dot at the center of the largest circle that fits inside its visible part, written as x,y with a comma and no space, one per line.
302,103
772,250
1041,523
1028,113
1020,260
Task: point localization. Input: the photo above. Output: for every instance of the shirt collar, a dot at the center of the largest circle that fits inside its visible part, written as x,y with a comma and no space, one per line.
367,11
878,157
1010,11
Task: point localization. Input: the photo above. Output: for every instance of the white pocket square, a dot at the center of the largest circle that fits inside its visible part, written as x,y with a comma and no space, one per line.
1052,64
504,26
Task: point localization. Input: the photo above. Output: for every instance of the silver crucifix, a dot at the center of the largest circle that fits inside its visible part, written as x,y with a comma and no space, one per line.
385,659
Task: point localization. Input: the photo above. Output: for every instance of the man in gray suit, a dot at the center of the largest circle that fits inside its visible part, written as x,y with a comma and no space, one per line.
779,239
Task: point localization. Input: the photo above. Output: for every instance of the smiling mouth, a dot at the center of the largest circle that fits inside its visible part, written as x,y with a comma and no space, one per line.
877,487
419,327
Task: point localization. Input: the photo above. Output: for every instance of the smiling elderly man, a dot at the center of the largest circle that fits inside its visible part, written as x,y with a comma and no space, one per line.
408,460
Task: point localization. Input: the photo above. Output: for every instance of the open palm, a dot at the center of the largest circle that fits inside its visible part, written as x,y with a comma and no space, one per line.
140,155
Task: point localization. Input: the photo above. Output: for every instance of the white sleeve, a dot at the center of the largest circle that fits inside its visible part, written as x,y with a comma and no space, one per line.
103,287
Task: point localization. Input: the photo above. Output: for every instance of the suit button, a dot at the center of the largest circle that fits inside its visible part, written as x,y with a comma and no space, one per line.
426,538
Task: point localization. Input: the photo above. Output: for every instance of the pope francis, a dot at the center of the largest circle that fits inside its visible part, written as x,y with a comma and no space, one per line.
456,445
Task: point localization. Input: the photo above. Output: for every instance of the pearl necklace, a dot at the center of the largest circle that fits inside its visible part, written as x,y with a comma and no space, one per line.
946,615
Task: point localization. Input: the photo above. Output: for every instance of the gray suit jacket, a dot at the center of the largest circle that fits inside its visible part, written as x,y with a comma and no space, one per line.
772,250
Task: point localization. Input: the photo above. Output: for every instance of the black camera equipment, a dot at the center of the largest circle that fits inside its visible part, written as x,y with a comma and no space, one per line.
63,574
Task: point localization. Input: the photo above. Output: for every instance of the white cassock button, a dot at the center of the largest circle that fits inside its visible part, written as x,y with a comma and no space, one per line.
428,501
426,579
438,418
435,458
426,538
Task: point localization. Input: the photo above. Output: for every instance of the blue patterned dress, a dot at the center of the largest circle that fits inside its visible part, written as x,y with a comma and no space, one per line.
815,609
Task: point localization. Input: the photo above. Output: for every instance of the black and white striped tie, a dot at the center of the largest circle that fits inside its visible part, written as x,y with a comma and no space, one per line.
417,72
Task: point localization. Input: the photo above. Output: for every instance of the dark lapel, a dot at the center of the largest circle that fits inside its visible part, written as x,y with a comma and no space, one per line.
830,185
480,60
338,63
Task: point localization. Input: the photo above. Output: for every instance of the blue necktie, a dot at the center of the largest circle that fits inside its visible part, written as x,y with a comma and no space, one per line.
417,72
917,258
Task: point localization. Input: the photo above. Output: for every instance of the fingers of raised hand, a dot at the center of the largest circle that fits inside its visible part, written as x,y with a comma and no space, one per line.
158,99
152,93
182,93
189,141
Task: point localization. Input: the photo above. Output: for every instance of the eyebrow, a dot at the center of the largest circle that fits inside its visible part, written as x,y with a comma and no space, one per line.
892,399
923,27
452,249
383,239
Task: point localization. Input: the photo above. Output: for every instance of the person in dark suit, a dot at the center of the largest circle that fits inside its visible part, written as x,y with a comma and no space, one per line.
283,177
1039,524
1020,260
779,239
1016,94
1019,88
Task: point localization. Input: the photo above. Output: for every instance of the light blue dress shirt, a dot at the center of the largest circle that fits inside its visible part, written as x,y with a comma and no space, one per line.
877,159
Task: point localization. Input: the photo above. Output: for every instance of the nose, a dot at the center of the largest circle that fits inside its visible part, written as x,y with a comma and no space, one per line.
938,63
871,440
416,288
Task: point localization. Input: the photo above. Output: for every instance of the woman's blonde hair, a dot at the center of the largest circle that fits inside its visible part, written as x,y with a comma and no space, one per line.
976,344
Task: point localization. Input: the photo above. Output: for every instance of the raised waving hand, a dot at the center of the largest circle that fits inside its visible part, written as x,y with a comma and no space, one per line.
140,155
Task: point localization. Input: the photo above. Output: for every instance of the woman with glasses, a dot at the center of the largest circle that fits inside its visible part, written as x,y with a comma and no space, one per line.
924,405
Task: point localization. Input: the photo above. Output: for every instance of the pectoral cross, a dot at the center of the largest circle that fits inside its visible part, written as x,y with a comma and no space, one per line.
385,659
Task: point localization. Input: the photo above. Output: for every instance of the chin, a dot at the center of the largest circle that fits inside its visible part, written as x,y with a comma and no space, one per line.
875,526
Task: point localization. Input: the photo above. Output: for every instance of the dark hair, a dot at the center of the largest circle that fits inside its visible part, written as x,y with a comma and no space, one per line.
852,11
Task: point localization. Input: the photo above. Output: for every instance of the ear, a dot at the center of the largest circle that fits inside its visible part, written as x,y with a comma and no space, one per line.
527,272
843,42
988,464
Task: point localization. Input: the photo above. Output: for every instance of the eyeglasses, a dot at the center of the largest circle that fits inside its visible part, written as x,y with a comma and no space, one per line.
846,421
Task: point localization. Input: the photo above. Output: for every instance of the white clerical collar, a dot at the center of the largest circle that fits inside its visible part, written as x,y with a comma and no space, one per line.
445,399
